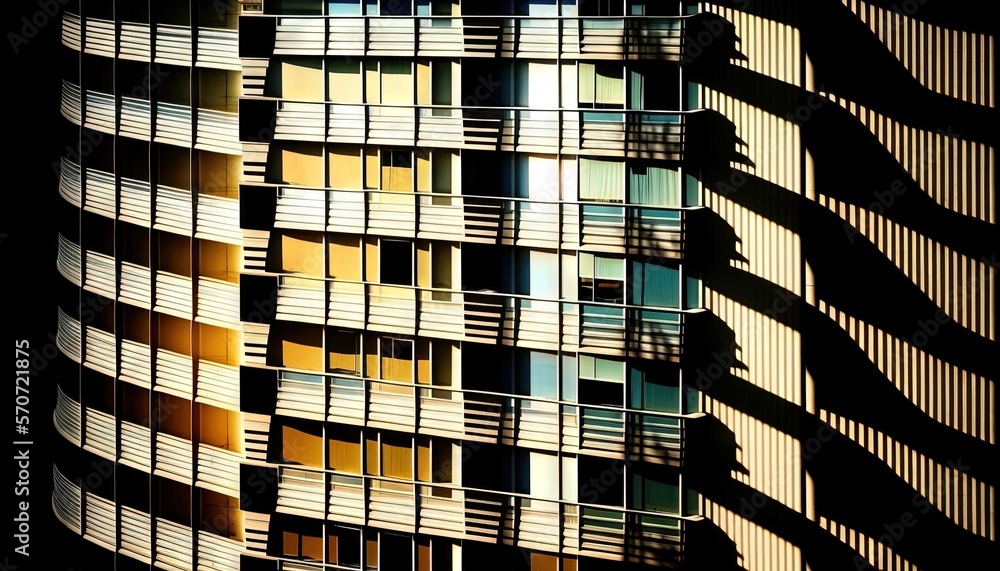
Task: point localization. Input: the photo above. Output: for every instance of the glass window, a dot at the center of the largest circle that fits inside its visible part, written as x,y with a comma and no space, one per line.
601,85
658,391
344,8
655,285
602,278
345,449
396,262
657,492
396,359
537,374
602,181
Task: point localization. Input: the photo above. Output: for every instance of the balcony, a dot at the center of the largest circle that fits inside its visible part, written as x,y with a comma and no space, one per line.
135,445
174,546
303,36
68,336
102,352
218,385
173,457
218,131
134,43
136,534
173,124
217,552
173,373
71,33
173,44
173,295
100,35
219,470
67,500
173,210
300,300
134,285
136,118
218,48
101,527
218,219
71,103
101,196
347,499
301,492
70,182
100,274
136,362
101,112
134,202
301,396
69,261
300,209
100,436
300,121
218,303
67,417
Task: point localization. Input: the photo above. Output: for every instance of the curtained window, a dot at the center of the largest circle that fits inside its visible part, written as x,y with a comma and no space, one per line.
537,374
654,391
601,278
345,449
655,285
397,170
396,359
661,493
397,456
654,186
601,85
602,181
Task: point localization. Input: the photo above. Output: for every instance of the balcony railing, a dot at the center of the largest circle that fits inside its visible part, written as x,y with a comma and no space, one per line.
101,196
135,202
301,395
570,37
136,118
136,534
301,492
100,435
102,352
218,302
101,112
173,44
70,182
218,48
135,444
100,276
67,500
219,219
173,124
301,300
218,385
173,457
173,210
100,36
218,131
173,294
101,527
300,209
135,41
71,33
217,552
219,470
71,103
69,260
134,287
136,362
300,121
68,336
67,417
174,546
173,373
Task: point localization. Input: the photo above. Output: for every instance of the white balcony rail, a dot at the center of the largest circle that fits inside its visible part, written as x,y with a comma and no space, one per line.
218,219
300,209
301,300
100,435
134,287
301,492
174,545
300,121
100,35
67,501
67,417
135,445
173,44
68,336
71,182
217,552
136,362
218,48
173,294
102,353
100,276
218,131
135,41
173,373
173,210
69,260
303,36
136,118
135,202
173,124
71,32
301,396
136,534
219,469
100,526
101,111
218,302
71,104
173,457
100,196
218,385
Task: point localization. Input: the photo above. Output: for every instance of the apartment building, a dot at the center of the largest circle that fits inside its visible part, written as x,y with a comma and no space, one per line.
525,284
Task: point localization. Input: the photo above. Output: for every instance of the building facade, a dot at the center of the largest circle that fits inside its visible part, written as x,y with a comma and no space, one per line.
536,284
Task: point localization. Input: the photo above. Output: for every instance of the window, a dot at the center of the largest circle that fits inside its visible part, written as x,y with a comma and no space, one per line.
344,8
301,447
602,279
344,81
656,492
389,82
396,262
389,455
307,546
658,390
601,382
601,86
602,181
397,170
537,374
344,352
344,547
396,359
345,449
654,285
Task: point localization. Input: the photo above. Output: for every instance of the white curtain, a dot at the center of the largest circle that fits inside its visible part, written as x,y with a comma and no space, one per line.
602,180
